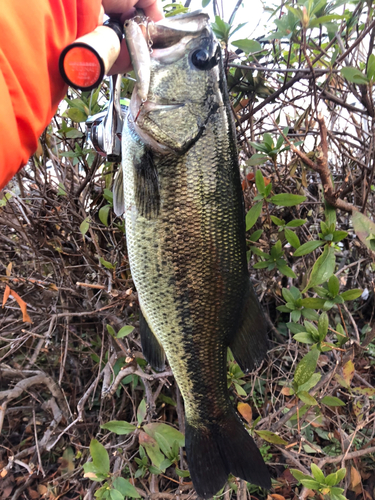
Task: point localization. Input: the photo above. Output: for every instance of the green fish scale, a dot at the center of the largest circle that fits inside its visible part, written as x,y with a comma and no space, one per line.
189,262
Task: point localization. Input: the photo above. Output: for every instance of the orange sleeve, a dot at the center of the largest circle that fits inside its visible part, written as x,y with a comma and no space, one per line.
32,36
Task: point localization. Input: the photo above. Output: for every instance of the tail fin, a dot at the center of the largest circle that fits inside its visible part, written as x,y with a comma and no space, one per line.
220,448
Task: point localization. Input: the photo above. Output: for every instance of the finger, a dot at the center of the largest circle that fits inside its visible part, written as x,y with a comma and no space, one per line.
101,16
122,63
153,9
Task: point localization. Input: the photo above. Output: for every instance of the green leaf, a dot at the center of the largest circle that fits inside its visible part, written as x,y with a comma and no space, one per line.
324,20
120,427
205,3
267,139
239,390
253,214
306,367
311,329
108,196
304,337
284,269
124,331
141,412
106,264
100,457
167,431
332,401
341,473
352,294
308,247
256,235
296,223
287,200
364,229
299,475
317,473
310,483
331,479
260,147
277,221
163,444
76,115
307,398
313,380
295,292
323,268
333,285
115,495
261,265
339,235
182,473
103,214
259,181
292,238
152,449
283,309
313,303
93,473
295,328
323,325
353,75
259,252
85,225
371,67
288,295
74,134
271,437
111,331
125,487
295,315
310,314
257,159
248,46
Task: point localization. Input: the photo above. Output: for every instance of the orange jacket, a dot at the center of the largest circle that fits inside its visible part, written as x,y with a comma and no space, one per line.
32,36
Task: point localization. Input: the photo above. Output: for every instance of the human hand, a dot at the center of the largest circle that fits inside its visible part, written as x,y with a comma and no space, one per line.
125,9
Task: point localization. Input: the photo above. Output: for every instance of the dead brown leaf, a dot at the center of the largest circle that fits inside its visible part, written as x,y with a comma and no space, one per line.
42,489
348,371
34,495
25,317
8,269
355,478
6,295
286,391
246,411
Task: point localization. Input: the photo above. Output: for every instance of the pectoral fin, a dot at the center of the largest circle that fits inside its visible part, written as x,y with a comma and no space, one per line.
118,194
249,344
147,195
151,347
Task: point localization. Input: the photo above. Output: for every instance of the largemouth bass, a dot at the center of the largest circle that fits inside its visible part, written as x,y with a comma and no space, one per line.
185,230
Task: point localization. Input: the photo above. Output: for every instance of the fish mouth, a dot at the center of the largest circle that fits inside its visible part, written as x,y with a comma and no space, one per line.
171,30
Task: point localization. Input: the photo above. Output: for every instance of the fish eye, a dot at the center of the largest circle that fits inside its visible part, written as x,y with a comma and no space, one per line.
200,58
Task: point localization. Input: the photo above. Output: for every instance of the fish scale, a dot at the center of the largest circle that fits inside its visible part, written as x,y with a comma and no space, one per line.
185,233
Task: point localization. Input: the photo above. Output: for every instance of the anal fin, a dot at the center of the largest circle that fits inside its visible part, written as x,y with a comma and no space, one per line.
249,344
151,347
